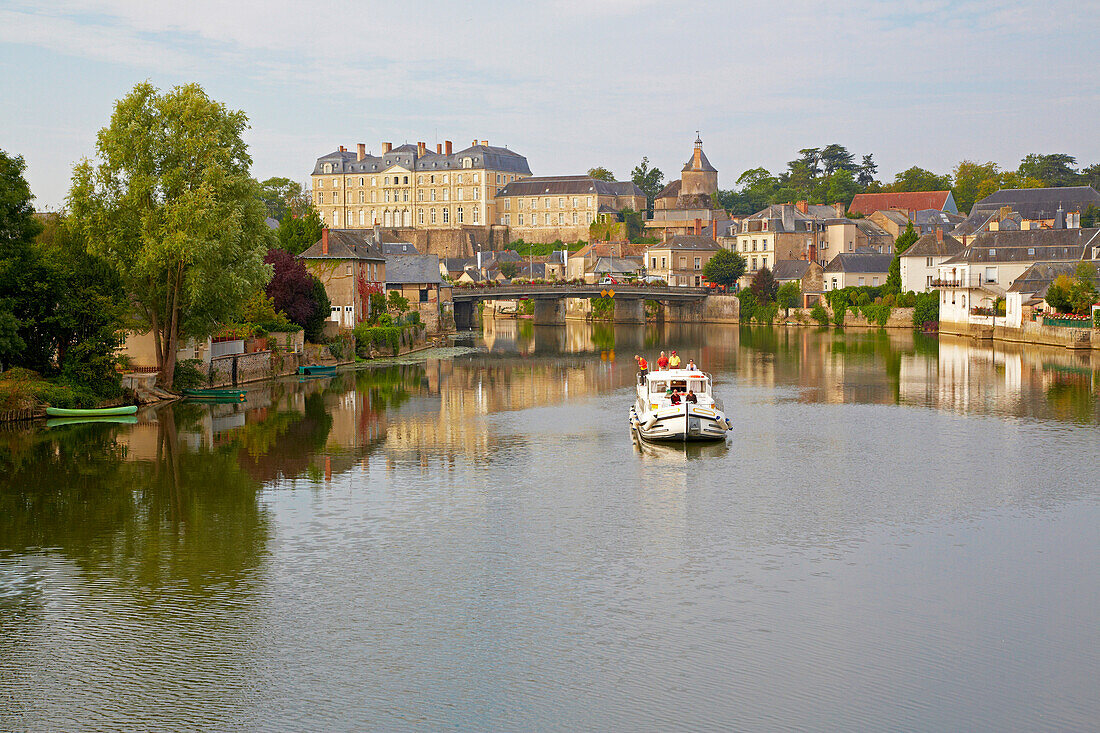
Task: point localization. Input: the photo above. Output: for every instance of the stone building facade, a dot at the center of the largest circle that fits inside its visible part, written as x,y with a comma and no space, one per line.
412,187
551,208
687,204
351,266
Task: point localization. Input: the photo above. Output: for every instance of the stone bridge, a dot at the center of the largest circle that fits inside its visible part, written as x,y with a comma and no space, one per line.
680,303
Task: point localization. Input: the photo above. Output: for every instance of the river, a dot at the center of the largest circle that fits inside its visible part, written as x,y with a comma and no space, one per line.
902,533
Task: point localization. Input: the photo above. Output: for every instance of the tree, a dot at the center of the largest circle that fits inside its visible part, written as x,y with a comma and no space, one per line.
1090,216
650,180
1054,169
1076,294
281,195
763,285
904,241
837,158
508,269
633,224
918,179
601,174
974,181
315,326
788,295
810,160
299,232
867,170
172,207
21,269
724,268
398,303
842,187
292,289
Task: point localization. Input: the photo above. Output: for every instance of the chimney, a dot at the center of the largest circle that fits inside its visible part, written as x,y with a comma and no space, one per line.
698,227
447,146
714,231
343,149
840,209
324,241
439,148
813,253
696,159
485,143
361,151
473,144
386,147
421,148
803,206
1060,218
939,235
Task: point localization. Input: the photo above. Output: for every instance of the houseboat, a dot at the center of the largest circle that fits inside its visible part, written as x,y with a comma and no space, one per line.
663,410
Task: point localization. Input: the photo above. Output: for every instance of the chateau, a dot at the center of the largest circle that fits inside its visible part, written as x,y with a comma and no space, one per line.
413,187
548,208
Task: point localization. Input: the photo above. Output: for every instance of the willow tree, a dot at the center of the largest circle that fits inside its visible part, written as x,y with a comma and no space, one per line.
171,204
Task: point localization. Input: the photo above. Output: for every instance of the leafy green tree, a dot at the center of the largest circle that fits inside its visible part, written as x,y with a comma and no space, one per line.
172,207
810,161
650,180
837,158
1054,169
1090,216
398,303
23,279
918,179
747,305
764,285
789,295
867,170
819,314
842,187
634,224
508,269
299,232
1076,294
904,241
927,309
601,174
281,195
724,268
315,326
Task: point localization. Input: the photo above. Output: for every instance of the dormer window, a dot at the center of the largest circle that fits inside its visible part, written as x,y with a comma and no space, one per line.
467,163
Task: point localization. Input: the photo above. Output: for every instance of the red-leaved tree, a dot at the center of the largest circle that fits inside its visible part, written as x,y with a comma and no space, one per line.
295,291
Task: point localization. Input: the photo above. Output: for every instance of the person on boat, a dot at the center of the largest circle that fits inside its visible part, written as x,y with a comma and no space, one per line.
691,366
674,361
643,368
662,362
675,397
691,397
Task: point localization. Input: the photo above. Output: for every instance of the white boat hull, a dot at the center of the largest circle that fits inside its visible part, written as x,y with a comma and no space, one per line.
680,423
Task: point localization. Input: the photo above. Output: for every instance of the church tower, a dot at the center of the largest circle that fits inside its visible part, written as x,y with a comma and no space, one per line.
699,177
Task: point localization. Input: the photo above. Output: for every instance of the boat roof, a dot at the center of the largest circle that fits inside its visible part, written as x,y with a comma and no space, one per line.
677,374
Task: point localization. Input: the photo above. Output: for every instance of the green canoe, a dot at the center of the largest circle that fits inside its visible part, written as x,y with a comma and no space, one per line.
316,369
96,412
216,393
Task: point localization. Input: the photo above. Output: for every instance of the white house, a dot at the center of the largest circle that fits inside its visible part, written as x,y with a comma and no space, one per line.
920,263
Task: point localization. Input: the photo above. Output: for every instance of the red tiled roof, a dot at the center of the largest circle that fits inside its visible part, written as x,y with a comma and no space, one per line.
869,203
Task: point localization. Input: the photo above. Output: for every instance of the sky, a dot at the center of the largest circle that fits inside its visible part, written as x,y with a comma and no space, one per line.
571,84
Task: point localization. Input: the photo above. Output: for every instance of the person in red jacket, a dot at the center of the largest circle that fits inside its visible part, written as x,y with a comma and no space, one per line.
662,362
643,367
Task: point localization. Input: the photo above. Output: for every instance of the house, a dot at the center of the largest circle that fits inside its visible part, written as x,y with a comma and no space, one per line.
920,263
849,235
687,204
984,270
906,201
809,275
616,267
681,260
783,232
550,208
857,269
580,264
1029,290
416,277
351,266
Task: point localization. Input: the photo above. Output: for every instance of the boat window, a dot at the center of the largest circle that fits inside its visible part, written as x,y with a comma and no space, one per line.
680,384
661,387
698,386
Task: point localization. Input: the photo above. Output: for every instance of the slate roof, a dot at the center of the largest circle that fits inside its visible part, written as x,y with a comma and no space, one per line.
785,270
482,156
569,185
869,203
670,191
870,228
1029,245
1041,203
859,262
455,265
346,244
684,242
927,220
975,222
895,216
929,246
401,269
1037,278
398,248
784,217
617,265
704,164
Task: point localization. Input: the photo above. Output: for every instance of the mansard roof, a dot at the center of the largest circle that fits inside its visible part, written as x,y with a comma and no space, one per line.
568,185
481,157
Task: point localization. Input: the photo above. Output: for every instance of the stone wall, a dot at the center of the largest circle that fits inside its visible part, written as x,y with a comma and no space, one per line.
457,242
721,309
251,367
1034,332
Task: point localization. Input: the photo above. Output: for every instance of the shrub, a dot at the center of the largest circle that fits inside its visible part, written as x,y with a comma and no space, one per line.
188,375
927,309
819,314
766,313
877,313
367,335
838,315
748,305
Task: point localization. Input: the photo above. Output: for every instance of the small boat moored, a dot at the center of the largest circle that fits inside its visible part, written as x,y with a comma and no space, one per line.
91,412
317,370
657,415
